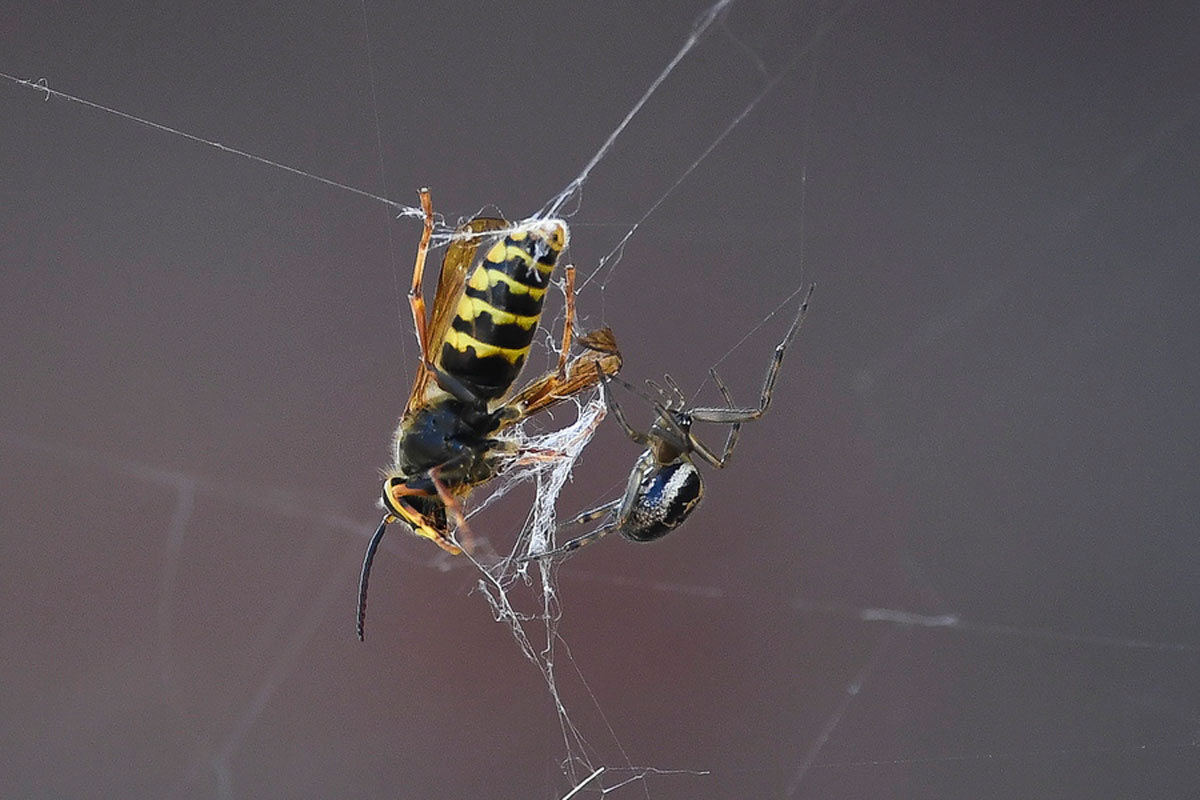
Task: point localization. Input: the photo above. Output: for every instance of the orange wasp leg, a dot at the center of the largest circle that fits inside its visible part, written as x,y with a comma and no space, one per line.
461,529
416,296
569,323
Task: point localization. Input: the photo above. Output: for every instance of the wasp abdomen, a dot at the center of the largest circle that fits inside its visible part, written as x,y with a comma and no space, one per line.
493,327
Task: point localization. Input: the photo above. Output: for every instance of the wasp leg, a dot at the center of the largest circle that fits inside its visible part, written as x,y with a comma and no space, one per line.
600,358
568,323
416,297
454,386
461,529
537,455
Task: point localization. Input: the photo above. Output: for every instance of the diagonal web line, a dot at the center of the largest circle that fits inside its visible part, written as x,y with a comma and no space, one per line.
41,85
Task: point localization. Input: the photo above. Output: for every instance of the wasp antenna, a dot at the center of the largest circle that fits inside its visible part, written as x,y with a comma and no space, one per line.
366,575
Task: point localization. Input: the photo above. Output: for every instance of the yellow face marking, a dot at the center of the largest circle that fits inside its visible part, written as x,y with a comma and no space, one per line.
483,279
471,307
461,341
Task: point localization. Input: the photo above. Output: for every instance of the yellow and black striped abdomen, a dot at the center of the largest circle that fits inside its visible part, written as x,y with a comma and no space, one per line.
487,341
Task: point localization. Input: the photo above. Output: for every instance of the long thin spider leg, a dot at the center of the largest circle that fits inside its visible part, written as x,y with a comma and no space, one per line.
576,543
679,401
581,518
634,434
732,415
777,359
591,514
664,398
735,428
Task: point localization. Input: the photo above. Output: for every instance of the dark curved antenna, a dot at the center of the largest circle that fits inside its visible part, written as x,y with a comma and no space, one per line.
366,575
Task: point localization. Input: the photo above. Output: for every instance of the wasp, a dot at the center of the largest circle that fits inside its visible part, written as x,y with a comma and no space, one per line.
665,486
472,347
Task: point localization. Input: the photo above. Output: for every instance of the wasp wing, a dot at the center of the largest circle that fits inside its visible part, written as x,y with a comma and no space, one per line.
452,279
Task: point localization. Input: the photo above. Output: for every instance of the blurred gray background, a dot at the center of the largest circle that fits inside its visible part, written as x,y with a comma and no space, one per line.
991,412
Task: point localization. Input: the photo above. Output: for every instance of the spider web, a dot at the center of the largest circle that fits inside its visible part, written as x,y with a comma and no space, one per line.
781,644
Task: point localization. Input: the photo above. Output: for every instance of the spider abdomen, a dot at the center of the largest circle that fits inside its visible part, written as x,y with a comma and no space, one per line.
665,497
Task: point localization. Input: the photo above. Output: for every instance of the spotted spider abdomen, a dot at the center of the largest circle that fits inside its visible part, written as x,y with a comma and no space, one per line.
664,499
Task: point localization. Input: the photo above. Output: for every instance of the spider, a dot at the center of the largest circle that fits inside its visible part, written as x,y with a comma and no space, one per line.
665,485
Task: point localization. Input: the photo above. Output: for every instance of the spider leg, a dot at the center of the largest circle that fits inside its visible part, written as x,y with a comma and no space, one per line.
678,399
619,511
605,509
576,543
731,439
641,438
732,415
591,514
664,398
735,428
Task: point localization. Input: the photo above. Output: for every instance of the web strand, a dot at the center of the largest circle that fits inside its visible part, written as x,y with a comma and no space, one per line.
41,85
555,206
849,693
769,87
